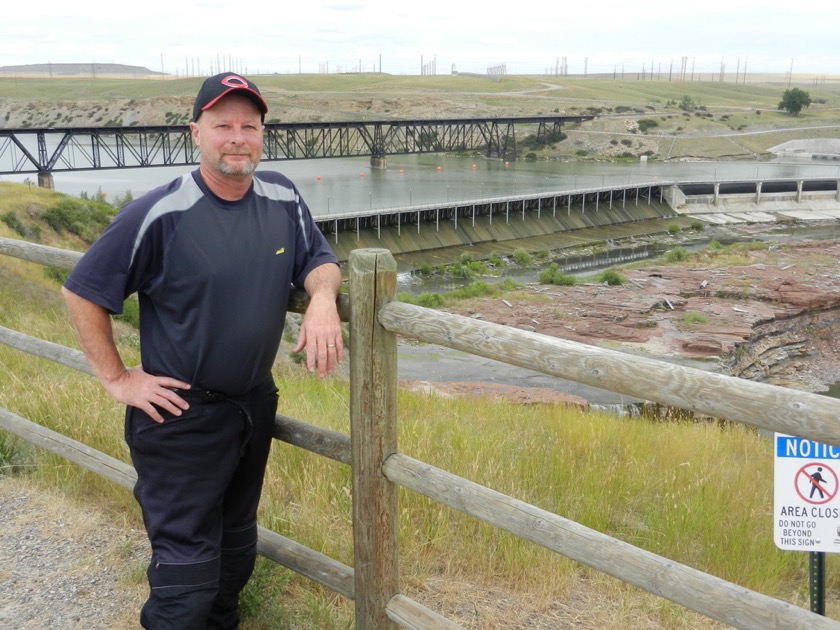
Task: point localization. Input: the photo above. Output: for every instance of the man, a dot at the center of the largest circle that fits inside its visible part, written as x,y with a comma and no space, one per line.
212,256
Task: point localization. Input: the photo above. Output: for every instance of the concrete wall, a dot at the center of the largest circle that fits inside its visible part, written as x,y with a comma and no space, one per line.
501,229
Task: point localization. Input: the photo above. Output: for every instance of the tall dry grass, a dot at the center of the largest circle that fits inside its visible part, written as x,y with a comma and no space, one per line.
699,493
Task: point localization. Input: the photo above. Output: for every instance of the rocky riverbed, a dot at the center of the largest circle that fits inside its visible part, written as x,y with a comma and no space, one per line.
766,312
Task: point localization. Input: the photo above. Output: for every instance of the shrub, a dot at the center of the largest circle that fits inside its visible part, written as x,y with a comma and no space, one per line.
678,254
508,285
14,223
474,290
697,225
10,452
131,313
57,274
673,228
496,260
646,123
522,257
120,202
429,299
612,277
687,103
85,218
460,270
693,317
553,275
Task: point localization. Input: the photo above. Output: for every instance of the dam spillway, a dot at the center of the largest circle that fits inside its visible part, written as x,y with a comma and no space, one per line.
553,220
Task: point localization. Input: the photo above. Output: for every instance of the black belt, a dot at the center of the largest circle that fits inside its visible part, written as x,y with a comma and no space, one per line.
196,394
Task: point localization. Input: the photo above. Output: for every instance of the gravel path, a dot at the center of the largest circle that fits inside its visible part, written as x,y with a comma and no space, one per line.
65,565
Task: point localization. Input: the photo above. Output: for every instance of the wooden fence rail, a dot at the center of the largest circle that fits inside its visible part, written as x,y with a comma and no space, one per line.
379,468
764,406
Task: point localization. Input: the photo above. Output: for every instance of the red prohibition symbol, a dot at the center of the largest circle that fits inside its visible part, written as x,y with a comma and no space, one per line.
816,483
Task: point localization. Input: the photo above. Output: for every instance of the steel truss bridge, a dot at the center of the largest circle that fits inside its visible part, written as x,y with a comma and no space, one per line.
46,150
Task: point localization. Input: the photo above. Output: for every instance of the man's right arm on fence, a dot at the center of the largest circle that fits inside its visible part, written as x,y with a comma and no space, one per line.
130,386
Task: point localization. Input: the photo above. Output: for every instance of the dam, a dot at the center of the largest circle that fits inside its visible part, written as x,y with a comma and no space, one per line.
556,220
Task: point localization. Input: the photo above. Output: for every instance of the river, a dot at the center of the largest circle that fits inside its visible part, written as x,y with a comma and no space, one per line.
334,185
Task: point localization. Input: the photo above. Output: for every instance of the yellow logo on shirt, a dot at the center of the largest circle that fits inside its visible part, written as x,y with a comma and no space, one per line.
282,250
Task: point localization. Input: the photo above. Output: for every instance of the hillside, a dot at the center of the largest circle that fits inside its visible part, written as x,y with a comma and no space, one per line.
661,119
77,70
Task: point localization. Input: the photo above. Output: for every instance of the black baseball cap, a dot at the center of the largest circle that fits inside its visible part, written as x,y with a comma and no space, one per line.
223,84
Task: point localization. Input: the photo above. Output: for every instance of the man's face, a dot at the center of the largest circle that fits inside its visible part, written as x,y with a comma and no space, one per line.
230,136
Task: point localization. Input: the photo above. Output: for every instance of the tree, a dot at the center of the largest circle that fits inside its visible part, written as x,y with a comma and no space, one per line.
794,100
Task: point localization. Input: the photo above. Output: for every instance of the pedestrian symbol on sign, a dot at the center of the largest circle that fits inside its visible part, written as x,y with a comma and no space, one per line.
816,483
816,480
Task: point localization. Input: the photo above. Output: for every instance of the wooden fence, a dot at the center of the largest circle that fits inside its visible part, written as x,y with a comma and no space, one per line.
376,320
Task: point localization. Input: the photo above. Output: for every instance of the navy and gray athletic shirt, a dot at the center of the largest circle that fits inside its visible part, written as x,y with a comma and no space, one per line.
213,277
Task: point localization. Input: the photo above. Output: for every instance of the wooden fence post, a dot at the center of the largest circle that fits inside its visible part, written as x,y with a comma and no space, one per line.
373,403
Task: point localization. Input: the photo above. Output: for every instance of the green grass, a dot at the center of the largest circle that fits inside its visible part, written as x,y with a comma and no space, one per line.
762,92
695,317
697,492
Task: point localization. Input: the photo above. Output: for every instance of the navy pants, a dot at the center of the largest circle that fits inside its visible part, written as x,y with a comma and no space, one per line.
199,482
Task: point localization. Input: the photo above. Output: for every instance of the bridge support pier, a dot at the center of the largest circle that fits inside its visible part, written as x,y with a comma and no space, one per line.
757,193
717,194
799,185
378,161
45,180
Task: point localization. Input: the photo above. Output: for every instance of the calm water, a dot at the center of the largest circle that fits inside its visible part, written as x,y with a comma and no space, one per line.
349,184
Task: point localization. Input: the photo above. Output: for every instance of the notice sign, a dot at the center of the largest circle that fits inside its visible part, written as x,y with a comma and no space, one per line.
806,503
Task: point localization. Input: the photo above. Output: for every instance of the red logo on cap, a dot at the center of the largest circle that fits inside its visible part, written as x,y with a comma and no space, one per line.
234,81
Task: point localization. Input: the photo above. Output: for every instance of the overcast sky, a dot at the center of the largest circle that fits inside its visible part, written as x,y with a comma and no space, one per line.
526,36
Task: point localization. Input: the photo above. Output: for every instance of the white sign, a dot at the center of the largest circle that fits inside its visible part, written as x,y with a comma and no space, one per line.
806,503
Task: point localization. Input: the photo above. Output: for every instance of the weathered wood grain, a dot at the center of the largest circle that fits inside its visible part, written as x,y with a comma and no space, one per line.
373,420
769,407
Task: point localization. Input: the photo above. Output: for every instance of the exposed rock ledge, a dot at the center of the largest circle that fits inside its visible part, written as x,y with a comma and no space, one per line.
769,317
